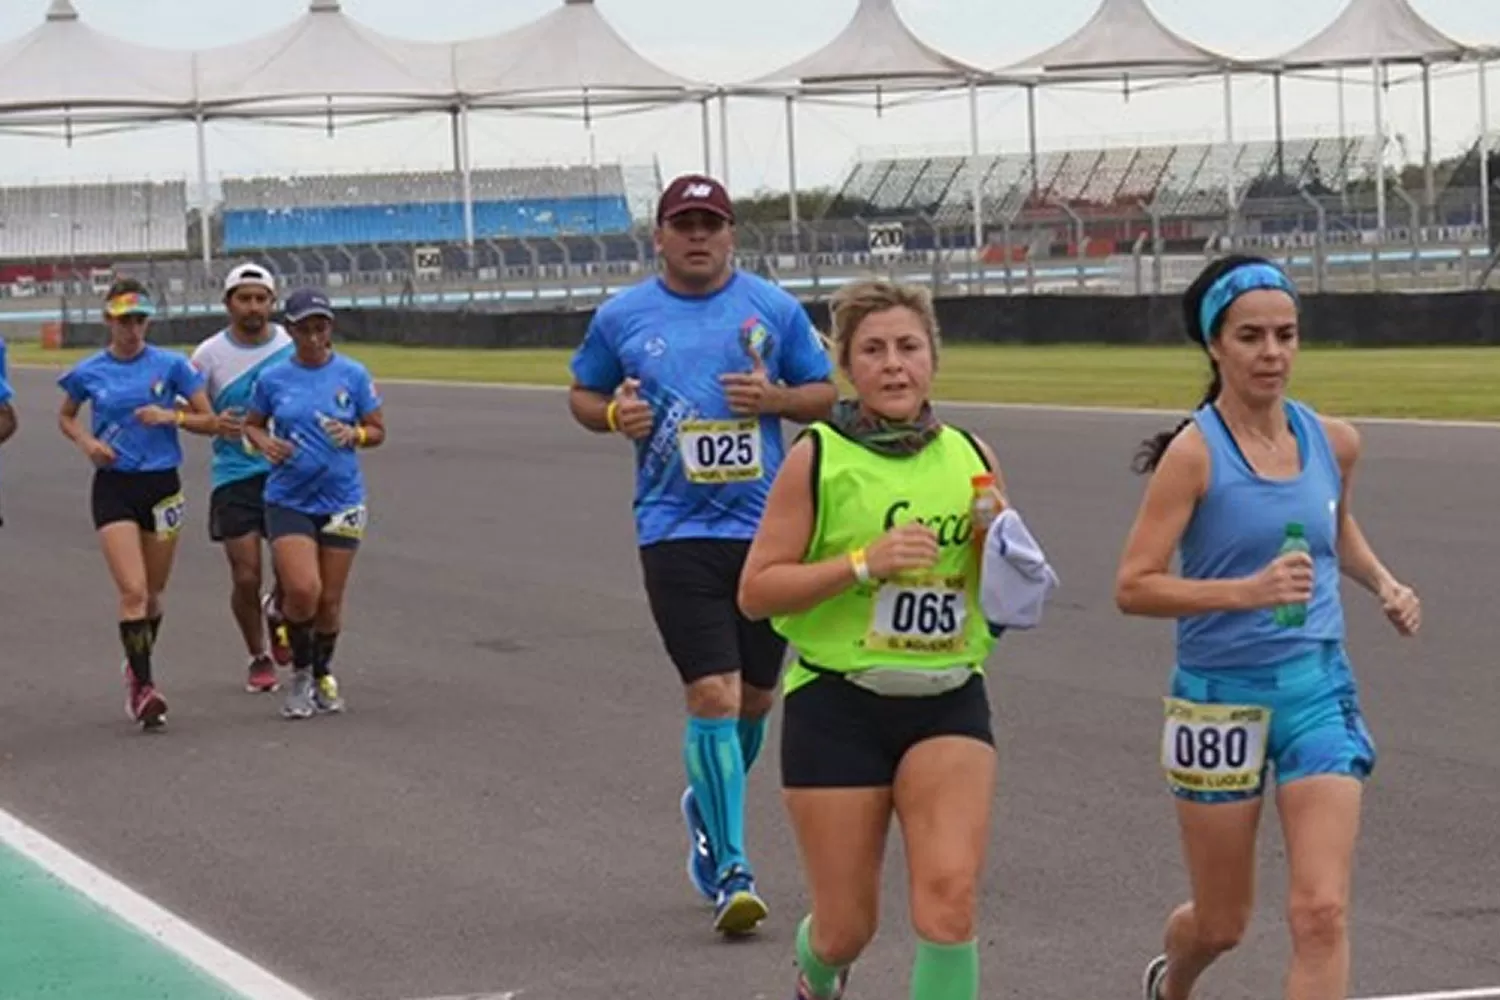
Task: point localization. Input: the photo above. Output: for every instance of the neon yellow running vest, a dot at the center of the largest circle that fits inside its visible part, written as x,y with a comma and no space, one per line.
922,621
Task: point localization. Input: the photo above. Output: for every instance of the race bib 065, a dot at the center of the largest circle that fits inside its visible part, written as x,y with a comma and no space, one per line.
720,451
920,614
1214,748
167,515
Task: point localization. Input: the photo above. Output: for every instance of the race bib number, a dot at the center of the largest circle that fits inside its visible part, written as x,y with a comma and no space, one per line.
167,515
348,524
920,614
720,451
1214,748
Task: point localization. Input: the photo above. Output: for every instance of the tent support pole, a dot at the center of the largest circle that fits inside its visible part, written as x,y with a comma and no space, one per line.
708,141
724,138
1429,171
1229,157
205,206
1280,127
1484,151
976,189
1379,150
468,177
1036,180
794,213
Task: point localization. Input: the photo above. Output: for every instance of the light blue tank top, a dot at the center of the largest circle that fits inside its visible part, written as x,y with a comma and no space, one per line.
1239,526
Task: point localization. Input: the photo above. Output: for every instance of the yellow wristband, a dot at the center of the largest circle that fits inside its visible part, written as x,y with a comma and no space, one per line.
361,436
610,413
861,565
182,418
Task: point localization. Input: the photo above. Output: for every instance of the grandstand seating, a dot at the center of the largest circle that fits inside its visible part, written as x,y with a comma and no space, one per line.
73,221
354,210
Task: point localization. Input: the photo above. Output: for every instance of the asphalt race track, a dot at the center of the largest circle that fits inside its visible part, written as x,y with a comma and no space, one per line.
498,811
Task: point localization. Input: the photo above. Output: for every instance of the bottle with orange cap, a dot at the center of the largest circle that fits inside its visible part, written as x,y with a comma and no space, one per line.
984,508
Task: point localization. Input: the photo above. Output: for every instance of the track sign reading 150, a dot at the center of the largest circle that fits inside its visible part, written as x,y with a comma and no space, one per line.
887,238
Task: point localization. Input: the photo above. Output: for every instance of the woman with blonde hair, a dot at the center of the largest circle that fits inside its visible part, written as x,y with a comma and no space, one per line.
866,561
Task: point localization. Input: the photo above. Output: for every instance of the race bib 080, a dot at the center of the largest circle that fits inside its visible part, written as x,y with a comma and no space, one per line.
920,614
1214,748
167,515
720,451
348,524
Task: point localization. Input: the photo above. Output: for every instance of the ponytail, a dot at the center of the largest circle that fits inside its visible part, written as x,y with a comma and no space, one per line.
1148,456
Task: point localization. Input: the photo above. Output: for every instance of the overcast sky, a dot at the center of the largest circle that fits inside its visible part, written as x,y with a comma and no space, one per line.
739,39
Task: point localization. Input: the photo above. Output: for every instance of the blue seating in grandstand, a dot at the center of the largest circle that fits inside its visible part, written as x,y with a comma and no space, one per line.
247,229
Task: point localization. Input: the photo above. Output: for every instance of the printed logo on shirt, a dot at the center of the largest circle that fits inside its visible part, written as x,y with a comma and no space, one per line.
755,337
341,398
159,388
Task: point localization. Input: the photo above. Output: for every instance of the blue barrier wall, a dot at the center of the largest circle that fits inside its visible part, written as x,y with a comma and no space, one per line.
253,229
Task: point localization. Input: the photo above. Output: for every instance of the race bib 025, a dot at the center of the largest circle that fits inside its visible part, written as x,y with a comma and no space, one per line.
920,614
720,451
1214,748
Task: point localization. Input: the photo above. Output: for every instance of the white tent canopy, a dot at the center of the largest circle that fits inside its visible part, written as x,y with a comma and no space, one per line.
876,47
1123,35
64,63
325,53
1369,31
571,52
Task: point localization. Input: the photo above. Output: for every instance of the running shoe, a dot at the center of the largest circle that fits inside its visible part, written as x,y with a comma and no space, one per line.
738,908
281,644
805,992
1155,976
701,867
143,704
326,695
299,702
262,679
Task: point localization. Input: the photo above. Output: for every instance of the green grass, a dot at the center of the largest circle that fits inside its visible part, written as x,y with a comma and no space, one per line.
1450,383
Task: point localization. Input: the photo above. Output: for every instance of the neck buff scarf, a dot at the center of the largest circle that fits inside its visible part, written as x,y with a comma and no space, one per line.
882,436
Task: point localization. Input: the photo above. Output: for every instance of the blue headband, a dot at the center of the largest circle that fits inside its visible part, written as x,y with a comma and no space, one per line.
1232,284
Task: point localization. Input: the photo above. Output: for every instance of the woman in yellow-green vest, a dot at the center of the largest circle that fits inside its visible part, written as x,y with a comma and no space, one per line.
866,561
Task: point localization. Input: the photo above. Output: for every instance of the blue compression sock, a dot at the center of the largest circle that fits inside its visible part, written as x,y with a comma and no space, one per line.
716,770
752,736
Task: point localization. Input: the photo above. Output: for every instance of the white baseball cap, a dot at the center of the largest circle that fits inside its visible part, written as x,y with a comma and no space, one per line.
250,274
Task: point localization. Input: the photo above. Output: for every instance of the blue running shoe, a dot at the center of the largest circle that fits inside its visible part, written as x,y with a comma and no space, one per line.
701,867
738,908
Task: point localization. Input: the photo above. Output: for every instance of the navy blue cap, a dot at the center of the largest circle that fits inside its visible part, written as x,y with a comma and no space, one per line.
305,303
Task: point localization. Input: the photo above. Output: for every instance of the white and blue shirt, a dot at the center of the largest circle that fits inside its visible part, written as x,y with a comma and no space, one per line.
230,369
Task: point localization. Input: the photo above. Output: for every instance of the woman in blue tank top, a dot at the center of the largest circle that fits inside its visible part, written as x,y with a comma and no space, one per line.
1252,491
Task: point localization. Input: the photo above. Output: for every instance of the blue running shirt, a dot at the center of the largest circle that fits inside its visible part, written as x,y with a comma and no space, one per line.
320,477
704,472
231,369
1238,527
6,393
115,389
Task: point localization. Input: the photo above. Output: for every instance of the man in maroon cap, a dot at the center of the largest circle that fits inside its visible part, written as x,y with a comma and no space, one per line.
698,366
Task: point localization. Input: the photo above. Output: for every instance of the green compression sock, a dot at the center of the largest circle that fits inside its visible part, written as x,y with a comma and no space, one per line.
945,971
823,978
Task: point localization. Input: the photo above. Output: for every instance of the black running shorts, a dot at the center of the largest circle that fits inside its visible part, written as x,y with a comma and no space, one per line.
837,735
693,586
152,500
238,509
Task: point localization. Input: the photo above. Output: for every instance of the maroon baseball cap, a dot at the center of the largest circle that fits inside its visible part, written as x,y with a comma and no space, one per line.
694,193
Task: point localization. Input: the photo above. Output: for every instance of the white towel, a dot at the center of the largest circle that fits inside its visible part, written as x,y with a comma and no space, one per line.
1015,578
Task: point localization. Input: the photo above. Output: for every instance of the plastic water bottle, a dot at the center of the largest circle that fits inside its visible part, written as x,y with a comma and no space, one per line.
984,508
1292,615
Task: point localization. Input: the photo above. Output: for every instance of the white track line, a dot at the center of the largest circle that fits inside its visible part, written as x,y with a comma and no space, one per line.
1476,994
1103,411
167,929
1099,411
